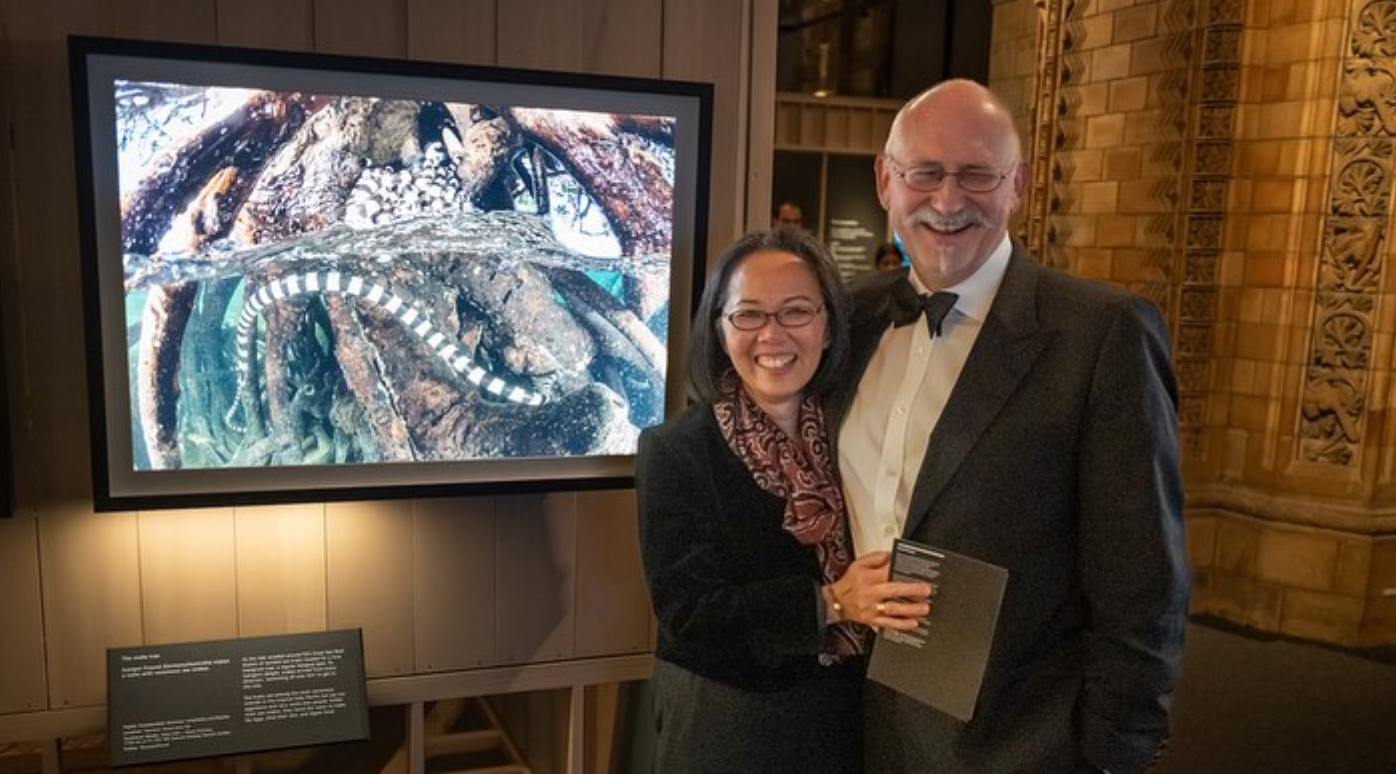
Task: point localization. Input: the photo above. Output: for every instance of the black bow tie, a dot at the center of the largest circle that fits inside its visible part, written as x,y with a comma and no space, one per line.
907,305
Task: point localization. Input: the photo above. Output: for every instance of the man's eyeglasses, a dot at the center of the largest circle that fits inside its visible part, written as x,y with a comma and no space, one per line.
788,317
929,179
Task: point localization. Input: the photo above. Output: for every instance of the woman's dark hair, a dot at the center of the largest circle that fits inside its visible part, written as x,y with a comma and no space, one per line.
708,361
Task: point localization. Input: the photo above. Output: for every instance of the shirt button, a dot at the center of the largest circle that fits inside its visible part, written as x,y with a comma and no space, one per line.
889,531
901,410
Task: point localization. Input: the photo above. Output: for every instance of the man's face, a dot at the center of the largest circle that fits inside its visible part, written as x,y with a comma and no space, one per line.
949,232
789,218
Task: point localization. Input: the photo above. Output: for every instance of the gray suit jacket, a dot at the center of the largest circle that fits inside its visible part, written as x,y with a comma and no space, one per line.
1056,457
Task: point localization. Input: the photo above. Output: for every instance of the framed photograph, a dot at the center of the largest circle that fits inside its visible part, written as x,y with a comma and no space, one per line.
313,277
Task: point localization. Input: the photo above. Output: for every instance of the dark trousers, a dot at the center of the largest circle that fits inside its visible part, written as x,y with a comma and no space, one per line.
708,727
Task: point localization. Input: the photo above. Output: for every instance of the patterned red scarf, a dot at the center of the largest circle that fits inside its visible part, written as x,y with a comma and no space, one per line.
805,479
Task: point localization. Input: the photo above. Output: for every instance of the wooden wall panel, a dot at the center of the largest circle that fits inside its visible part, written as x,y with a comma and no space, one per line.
92,597
188,575
451,31
21,622
48,293
22,683
368,560
35,93
281,24
536,577
453,576
10,415
623,37
540,34
186,21
280,569
613,605
761,102
361,27
701,43
616,37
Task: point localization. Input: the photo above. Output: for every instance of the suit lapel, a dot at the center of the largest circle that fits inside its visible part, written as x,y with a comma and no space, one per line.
1008,345
870,316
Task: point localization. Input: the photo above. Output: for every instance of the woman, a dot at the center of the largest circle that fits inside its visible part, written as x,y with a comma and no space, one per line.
762,613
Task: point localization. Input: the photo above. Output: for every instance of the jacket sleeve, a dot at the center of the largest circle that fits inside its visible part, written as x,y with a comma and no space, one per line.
1133,558
705,600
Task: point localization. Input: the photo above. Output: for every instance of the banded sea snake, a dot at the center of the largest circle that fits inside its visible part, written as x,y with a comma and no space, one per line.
399,306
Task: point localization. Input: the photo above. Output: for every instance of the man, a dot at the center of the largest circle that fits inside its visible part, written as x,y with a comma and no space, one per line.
888,257
1036,429
788,216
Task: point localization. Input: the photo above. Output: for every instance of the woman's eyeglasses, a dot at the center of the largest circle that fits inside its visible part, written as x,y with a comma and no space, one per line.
788,317
930,179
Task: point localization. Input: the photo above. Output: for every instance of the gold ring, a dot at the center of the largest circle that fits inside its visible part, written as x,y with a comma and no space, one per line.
881,608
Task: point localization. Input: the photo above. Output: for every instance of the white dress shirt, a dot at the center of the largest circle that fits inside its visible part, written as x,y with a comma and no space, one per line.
899,400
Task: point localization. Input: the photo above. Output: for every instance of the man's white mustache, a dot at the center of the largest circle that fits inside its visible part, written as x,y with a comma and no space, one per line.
939,222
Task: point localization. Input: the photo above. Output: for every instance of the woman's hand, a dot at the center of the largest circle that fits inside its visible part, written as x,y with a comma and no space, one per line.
864,594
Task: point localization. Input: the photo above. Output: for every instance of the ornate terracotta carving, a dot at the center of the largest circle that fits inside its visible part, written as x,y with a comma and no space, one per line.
1333,406
1054,127
1374,34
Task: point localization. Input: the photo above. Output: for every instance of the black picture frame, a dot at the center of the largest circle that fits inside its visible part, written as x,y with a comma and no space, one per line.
314,277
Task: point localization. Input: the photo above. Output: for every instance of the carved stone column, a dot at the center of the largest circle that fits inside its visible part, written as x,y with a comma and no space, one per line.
1235,162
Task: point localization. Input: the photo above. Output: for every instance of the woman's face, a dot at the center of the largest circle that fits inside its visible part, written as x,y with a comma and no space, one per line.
776,360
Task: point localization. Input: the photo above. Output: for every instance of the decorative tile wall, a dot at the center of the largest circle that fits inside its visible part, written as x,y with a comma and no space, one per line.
1232,160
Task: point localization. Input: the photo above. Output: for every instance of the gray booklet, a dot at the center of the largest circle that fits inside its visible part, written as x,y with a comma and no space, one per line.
941,662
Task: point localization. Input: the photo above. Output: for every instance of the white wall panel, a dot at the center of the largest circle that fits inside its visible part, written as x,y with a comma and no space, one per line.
453,582
368,561
188,575
613,605
281,569
535,571
92,597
